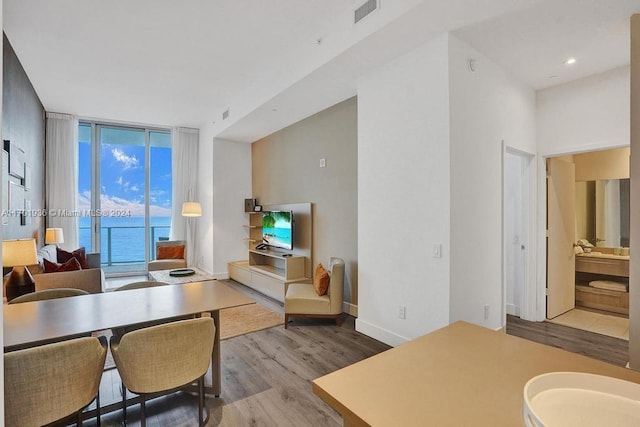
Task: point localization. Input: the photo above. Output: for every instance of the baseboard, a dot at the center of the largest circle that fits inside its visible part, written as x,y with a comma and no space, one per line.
380,334
350,309
218,276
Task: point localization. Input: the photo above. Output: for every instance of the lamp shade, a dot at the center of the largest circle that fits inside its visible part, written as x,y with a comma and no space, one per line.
53,236
191,209
19,252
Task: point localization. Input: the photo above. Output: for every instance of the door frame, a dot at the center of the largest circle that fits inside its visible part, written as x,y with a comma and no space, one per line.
529,304
541,275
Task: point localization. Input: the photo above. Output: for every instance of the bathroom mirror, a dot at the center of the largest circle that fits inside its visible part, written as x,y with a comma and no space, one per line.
602,212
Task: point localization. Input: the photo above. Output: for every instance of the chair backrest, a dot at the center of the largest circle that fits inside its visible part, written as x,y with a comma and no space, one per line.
336,284
46,383
172,243
140,285
49,294
164,357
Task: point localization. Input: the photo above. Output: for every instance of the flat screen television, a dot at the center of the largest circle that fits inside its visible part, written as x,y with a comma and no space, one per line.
277,229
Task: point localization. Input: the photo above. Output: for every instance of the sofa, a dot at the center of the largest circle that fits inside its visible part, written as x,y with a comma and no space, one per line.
90,279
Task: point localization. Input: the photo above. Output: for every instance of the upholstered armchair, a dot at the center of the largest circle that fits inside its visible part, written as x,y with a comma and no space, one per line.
167,255
302,300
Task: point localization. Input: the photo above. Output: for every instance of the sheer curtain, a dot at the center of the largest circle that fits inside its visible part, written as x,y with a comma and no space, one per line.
61,175
184,169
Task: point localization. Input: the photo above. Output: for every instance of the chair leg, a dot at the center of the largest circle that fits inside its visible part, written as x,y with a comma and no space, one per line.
79,418
143,412
200,401
286,321
339,320
98,409
123,389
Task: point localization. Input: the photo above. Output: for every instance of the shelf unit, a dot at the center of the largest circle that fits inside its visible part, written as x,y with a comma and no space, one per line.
268,271
605,267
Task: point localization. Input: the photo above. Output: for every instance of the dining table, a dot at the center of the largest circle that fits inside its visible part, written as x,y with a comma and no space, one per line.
459,375
36,323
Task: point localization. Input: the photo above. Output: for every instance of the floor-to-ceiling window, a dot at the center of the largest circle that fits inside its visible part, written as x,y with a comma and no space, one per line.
124,187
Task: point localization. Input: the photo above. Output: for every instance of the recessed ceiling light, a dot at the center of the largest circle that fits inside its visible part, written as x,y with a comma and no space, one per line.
570,61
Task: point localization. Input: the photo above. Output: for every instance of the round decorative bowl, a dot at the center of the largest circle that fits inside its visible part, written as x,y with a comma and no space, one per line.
570,399
181,272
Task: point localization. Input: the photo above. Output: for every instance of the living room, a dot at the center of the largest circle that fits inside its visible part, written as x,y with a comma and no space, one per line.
411,133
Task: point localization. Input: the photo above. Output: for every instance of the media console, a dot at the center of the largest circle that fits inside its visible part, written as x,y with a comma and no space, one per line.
269,270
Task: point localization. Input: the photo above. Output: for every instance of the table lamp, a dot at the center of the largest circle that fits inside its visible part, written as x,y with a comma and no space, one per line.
54,236
18,254
191,209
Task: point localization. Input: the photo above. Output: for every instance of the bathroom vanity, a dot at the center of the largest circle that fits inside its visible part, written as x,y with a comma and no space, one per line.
607,270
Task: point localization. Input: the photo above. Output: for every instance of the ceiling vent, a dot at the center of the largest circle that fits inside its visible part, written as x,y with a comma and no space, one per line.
364,10
225,114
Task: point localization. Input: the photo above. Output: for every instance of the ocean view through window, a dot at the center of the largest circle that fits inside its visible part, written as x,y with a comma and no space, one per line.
124,184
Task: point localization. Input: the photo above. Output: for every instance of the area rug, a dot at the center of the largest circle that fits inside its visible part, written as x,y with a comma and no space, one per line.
233,322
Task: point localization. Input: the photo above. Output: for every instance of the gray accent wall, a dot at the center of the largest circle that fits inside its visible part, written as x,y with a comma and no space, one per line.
23,124
286,169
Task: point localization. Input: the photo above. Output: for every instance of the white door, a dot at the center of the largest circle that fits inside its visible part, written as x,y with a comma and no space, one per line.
515,232
560,237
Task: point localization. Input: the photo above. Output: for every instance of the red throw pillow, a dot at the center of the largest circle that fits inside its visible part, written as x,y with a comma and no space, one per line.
79,254
321,280
52,267
170,252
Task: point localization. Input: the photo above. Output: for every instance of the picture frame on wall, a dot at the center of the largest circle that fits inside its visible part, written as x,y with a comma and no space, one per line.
16,160
25,218
27,176
16,201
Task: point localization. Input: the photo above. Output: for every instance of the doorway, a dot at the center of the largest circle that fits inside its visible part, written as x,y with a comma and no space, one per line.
587,233
519,288
124,181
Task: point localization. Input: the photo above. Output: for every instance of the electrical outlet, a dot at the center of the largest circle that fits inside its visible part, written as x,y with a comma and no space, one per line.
486,312
402,312
323,163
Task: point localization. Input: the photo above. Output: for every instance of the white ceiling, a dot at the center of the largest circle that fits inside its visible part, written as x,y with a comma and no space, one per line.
181,63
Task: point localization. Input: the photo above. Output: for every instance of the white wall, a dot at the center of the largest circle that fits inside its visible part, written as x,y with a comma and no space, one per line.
224,181
487,107
231,185
403,195
587,114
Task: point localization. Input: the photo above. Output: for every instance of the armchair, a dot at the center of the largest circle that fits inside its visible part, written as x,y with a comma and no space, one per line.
301,299
168,263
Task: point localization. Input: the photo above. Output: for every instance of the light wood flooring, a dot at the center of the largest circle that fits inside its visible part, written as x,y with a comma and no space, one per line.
266,375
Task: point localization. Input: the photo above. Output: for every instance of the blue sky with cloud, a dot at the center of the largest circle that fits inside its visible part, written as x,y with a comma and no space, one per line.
122,177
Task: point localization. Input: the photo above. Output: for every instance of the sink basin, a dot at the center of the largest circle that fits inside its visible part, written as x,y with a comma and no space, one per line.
577,399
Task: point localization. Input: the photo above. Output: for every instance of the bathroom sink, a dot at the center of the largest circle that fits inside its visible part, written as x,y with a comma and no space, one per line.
577,399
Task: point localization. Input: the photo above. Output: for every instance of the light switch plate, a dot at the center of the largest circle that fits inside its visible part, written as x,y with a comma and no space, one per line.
437,250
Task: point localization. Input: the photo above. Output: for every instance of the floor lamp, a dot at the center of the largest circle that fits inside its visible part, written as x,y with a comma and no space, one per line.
18,254
191,210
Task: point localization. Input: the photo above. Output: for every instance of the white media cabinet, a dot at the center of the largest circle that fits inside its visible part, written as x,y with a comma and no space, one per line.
267,271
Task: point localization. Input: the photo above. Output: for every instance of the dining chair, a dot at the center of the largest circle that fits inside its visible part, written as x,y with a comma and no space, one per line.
48,294
52,382
139,285
164,358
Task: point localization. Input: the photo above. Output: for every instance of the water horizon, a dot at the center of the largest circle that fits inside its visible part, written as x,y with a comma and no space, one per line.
126,236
